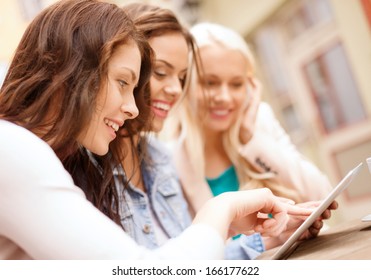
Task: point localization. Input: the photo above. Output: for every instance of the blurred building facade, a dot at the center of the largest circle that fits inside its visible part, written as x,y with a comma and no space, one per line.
314,58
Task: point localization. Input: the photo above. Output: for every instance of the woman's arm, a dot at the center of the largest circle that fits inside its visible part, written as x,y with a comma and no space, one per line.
270,149
44,216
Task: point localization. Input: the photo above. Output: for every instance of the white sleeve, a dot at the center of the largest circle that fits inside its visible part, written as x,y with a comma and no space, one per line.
45,214
271,149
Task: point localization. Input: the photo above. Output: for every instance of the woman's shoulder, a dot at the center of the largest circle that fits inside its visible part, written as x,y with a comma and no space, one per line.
265,117
158,148
19,140
24,156
265,110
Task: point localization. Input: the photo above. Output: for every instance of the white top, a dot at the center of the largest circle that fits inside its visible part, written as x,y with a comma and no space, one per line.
43,215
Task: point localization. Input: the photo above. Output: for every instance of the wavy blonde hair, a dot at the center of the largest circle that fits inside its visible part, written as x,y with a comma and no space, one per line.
186,126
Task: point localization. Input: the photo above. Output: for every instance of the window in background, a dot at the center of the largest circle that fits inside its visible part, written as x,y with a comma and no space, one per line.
334,90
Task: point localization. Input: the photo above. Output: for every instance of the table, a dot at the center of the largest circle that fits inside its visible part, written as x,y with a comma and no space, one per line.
347,241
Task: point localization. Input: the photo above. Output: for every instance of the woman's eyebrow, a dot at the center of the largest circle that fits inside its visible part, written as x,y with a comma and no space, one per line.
132,73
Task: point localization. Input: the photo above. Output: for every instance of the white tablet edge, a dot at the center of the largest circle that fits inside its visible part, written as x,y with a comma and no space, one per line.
320,209
367,218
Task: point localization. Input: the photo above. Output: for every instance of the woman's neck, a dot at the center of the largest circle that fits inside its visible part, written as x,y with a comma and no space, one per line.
130,164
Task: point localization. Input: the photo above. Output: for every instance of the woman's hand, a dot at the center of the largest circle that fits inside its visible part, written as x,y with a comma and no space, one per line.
317,225
296,220
247,128
296,214
233,213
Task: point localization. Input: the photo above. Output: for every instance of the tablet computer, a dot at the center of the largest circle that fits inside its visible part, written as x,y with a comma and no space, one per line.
344,183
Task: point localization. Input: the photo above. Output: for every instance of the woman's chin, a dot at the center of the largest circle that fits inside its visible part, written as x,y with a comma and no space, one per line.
157,125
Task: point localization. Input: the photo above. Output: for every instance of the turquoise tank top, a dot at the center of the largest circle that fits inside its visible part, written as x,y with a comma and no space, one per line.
226,182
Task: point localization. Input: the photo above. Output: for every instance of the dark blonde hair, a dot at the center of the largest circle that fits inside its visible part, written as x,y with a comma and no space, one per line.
154,21
58,68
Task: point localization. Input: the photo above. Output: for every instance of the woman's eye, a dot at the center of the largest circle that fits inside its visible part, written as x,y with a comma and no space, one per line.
123,83
210,83
237,85
160,74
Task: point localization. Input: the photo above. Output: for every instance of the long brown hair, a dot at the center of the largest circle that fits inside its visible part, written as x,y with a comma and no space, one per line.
53,80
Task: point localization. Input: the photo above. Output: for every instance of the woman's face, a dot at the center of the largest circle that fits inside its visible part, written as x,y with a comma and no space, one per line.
170,69
115,101
224,83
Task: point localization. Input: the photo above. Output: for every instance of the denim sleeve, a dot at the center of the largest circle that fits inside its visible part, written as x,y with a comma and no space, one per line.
246,247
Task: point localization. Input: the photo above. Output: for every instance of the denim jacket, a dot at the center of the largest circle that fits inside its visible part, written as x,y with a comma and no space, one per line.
165,198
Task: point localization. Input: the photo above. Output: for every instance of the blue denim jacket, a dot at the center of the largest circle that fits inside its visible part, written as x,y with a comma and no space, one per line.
165,198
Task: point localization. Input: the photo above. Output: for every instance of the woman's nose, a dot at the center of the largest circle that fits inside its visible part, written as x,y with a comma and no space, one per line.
222,94
174,87
129,108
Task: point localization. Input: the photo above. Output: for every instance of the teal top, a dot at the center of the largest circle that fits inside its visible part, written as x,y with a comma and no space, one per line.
226,182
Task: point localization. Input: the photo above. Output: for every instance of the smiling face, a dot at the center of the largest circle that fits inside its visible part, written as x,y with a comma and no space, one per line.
166,83
115,101
224,82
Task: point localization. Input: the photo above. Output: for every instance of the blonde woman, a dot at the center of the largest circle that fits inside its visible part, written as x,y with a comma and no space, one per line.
228,139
